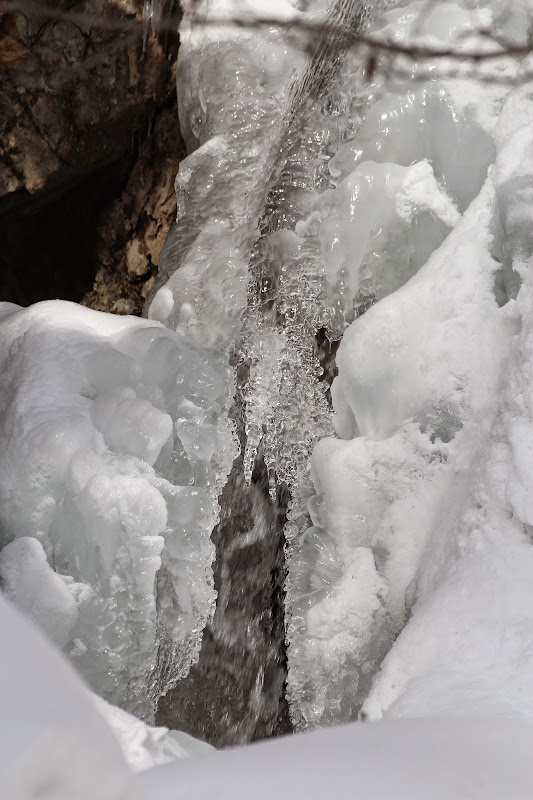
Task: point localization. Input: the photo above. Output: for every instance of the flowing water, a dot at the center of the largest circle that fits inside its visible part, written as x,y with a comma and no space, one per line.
316,187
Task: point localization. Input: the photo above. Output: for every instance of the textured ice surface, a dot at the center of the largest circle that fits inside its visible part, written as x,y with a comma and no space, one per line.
232,95
114,435
417,389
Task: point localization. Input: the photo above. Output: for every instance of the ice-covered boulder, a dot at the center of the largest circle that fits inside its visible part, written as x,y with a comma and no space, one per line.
114,436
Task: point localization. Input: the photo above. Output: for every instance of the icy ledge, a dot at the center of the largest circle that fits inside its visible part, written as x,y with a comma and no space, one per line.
113,435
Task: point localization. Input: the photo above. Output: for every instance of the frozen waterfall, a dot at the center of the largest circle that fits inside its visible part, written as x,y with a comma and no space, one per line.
336,366
366,210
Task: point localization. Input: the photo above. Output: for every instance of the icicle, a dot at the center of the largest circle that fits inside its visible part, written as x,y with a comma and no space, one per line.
147,16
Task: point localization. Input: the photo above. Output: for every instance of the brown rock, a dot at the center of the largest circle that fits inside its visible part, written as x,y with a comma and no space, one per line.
89,147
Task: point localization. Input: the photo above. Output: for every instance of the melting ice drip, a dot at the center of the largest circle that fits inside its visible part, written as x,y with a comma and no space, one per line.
417,372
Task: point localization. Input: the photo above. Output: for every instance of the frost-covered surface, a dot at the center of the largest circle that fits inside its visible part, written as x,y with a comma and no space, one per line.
399,528
113,432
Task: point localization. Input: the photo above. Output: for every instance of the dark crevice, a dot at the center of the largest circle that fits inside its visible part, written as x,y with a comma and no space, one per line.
325,351
50,251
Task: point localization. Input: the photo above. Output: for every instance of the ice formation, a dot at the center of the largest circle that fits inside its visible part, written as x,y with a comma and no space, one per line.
232,93
394,216
360,202
115,442
417,393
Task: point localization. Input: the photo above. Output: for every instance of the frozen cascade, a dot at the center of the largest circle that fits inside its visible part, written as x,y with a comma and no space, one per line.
318,205
251,114
361,188
115,444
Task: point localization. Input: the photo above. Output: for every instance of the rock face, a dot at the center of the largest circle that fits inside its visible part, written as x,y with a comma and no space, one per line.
89,147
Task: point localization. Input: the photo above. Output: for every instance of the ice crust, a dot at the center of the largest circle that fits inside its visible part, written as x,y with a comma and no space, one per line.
115,442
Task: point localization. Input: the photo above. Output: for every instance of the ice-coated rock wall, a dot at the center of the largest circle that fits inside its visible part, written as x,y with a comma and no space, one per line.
114,447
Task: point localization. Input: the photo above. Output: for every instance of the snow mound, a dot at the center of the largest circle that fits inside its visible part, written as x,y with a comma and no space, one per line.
54,742
145,746
401,759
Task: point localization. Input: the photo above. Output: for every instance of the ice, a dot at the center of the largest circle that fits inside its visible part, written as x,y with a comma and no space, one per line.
417,390
420,124
233,86
116,443
376,230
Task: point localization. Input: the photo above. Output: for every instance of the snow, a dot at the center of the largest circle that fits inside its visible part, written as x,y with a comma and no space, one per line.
54,743
473,586
401,759
114,434
144,746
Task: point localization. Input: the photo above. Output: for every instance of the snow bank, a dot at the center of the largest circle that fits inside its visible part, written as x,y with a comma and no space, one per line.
113,437
54,742
467,648
404,760
145,746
